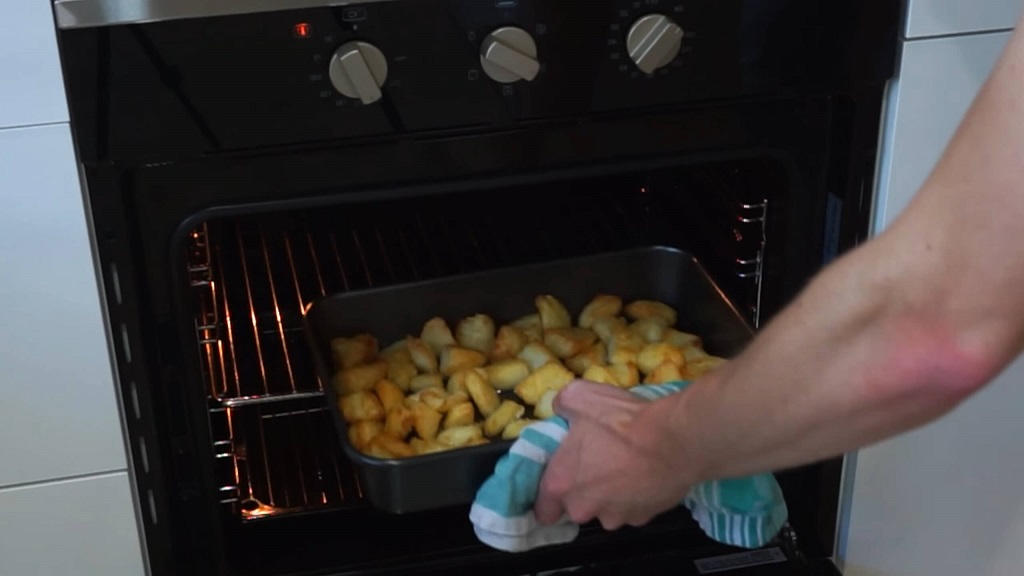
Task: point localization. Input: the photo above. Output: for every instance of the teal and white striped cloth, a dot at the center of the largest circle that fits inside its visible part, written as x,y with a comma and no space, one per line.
744,512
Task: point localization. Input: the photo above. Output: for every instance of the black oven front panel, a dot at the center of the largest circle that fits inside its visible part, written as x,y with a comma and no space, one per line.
169,90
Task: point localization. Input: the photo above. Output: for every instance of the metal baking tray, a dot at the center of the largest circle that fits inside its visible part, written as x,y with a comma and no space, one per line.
390,313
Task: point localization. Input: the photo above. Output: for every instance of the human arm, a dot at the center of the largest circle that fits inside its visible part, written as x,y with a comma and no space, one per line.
891,336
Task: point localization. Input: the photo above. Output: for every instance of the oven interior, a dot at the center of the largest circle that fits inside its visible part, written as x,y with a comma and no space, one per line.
273,447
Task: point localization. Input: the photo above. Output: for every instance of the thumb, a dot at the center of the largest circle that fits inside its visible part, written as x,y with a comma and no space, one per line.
581,397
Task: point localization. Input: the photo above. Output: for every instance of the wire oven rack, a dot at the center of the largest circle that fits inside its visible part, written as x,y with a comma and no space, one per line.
273,442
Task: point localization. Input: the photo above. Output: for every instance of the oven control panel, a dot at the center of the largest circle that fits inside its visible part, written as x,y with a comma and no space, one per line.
410,66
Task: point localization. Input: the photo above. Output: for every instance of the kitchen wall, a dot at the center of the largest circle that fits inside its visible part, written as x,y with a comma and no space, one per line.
945,499
66,503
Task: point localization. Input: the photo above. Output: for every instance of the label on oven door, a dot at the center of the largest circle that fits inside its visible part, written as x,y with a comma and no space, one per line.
731,562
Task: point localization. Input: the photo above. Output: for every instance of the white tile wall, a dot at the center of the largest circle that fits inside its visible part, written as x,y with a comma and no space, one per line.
82,527
31,87
944,17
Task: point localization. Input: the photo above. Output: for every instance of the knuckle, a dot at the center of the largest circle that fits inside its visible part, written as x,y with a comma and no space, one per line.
580,514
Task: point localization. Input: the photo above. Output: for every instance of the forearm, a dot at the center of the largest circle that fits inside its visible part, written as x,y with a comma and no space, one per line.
894,334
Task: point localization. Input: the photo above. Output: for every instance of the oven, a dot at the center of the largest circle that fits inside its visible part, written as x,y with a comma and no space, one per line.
245,159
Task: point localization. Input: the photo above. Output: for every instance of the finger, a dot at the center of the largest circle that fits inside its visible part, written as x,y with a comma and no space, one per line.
639,520
610,522
572,399
548,507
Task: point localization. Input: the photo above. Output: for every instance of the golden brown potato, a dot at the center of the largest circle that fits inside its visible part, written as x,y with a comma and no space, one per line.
462,415
599,375
399,422
531,327
461,435
602,306
514,428
351,352
396,348
653,355
507,344
476,333
421,382
436,335
422,446
702,366
359,378
401,370
483,395
427,421
665,372
454,399
391,396
536,355
568,342
552,312
605,327
422,356
640,309
681,339
361,406
650,329
625,375
387,446
694,354
593,356
457,381
624,347
433,397
360,433
455,358
545,407
552,376
508,411
505,374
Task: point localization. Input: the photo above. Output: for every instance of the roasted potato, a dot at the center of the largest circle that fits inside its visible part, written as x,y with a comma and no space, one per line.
483,395
508,343
455,358
625,375
514,428
605,327
351,352
399,422
594,356
390,395
505,374
599,375
665,372
702,366
462,415
531,327
568,342
476,333
681,339
422,446
457,381
650,329
624,347
401,370
536,355
360,433
653,355
421,382
387,446
454,399
552,312
359,378
461,435
436,335
545,407
427,421
395,348
601,306
508,411
640,309
422,356
433,397
551,376
361,406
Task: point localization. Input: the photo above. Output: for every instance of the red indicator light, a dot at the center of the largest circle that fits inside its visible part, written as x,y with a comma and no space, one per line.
302,30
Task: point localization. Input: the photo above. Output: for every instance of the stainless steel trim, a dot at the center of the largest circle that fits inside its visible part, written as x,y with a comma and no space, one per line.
96,13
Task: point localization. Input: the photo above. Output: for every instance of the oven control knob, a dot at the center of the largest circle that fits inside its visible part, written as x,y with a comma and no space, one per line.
653,42
358,70
508,55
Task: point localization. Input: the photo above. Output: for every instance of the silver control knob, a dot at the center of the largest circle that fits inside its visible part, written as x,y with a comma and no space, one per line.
508,55
358,70
653,42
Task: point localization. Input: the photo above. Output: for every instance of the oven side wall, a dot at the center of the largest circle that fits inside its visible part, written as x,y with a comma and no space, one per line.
65,493
944,499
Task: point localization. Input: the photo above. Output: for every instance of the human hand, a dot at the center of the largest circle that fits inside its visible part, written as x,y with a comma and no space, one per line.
615,464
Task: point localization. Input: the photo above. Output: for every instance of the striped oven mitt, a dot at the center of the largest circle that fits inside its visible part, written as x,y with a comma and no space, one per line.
744,512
